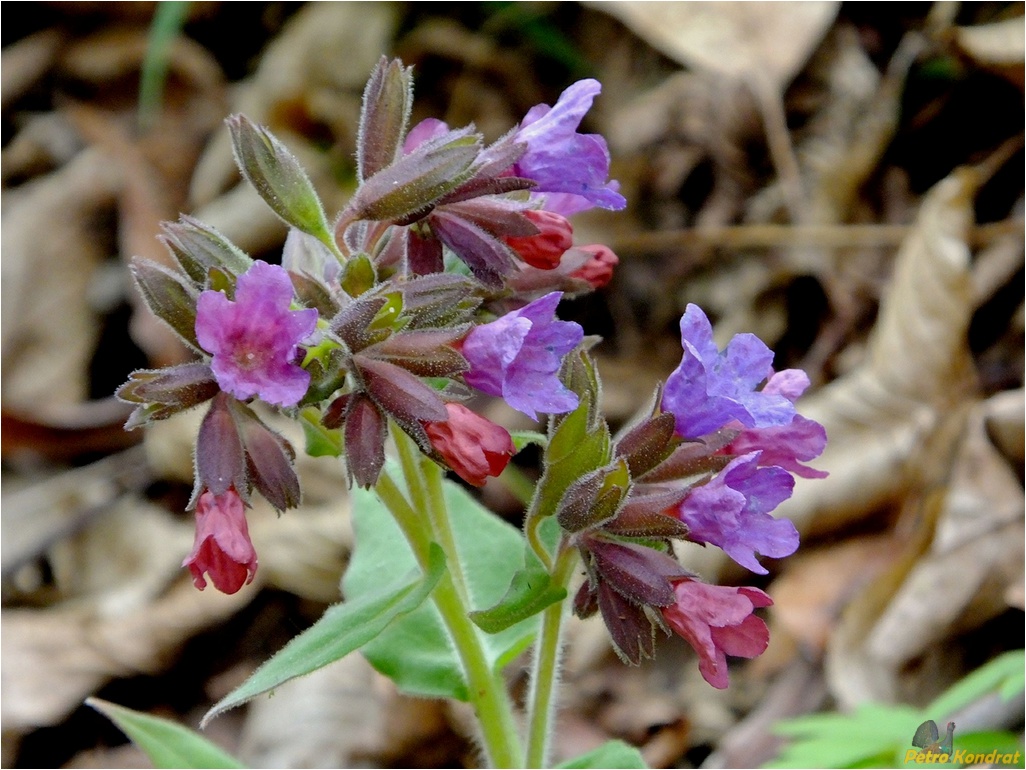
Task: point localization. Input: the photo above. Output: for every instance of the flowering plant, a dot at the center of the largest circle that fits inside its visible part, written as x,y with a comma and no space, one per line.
441,278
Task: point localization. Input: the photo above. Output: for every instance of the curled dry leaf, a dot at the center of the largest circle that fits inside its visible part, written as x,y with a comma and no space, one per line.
771,40
54,658
51,247
342,715
959,581
1000,46
916,369
23,63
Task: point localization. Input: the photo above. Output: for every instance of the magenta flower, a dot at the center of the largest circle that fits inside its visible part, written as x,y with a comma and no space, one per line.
573,166
711,388
518,357
731,511
222,548
718,621
254,340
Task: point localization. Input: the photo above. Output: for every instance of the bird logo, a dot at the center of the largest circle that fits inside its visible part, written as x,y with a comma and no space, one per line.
928,738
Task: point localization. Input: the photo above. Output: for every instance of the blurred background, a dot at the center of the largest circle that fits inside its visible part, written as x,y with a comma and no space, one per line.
845,180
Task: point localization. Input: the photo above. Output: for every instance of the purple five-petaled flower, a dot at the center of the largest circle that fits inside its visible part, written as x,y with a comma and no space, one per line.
572,167
711,389
731,511
254,340
518,357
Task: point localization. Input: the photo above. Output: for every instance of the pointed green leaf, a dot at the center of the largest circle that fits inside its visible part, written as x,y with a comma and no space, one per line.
342,629
530,591
415,651
166,743
524,438
1005,671
612,754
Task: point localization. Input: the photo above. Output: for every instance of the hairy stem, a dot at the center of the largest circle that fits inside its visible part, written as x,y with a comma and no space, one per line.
545,667
486,688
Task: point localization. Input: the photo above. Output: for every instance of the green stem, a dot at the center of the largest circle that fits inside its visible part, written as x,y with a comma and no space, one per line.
545,667
486,689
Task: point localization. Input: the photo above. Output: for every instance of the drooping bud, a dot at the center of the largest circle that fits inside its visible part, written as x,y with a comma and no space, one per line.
472,446
597,271
545,248
222,547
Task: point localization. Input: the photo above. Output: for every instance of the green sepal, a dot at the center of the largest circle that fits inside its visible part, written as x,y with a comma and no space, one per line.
199,248
166,743
320,441
342,629
530,591
358,275
278,178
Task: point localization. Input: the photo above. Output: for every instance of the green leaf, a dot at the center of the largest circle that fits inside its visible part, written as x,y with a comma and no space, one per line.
166,743
612,754
530,591
320,441
343,628
279,179
1004,673
847,740
415,651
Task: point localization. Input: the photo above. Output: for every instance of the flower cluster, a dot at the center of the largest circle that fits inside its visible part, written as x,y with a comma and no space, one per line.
441,278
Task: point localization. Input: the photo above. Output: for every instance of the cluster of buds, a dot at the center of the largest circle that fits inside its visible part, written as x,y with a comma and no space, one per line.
440,278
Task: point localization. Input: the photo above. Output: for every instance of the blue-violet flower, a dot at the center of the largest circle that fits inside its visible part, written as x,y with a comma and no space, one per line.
573,166
710,389
731,511
254,339
518,357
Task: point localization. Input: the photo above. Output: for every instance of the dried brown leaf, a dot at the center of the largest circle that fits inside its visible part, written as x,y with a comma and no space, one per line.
767,40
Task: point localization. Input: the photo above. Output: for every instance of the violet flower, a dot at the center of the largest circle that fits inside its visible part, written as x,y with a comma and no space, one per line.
573,166
718,621
786,446
518,357
254,339
711,388
222,548
731,511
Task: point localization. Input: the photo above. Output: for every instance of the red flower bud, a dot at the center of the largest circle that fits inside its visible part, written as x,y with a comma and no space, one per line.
544,250
472,446
222,548
599,270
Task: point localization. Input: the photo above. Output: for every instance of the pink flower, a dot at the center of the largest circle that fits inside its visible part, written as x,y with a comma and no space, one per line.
472,446
718,621
255,339
222,549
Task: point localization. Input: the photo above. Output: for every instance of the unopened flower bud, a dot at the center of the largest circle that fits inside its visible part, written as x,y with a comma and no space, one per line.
222,548
544,250
598,271
472,446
